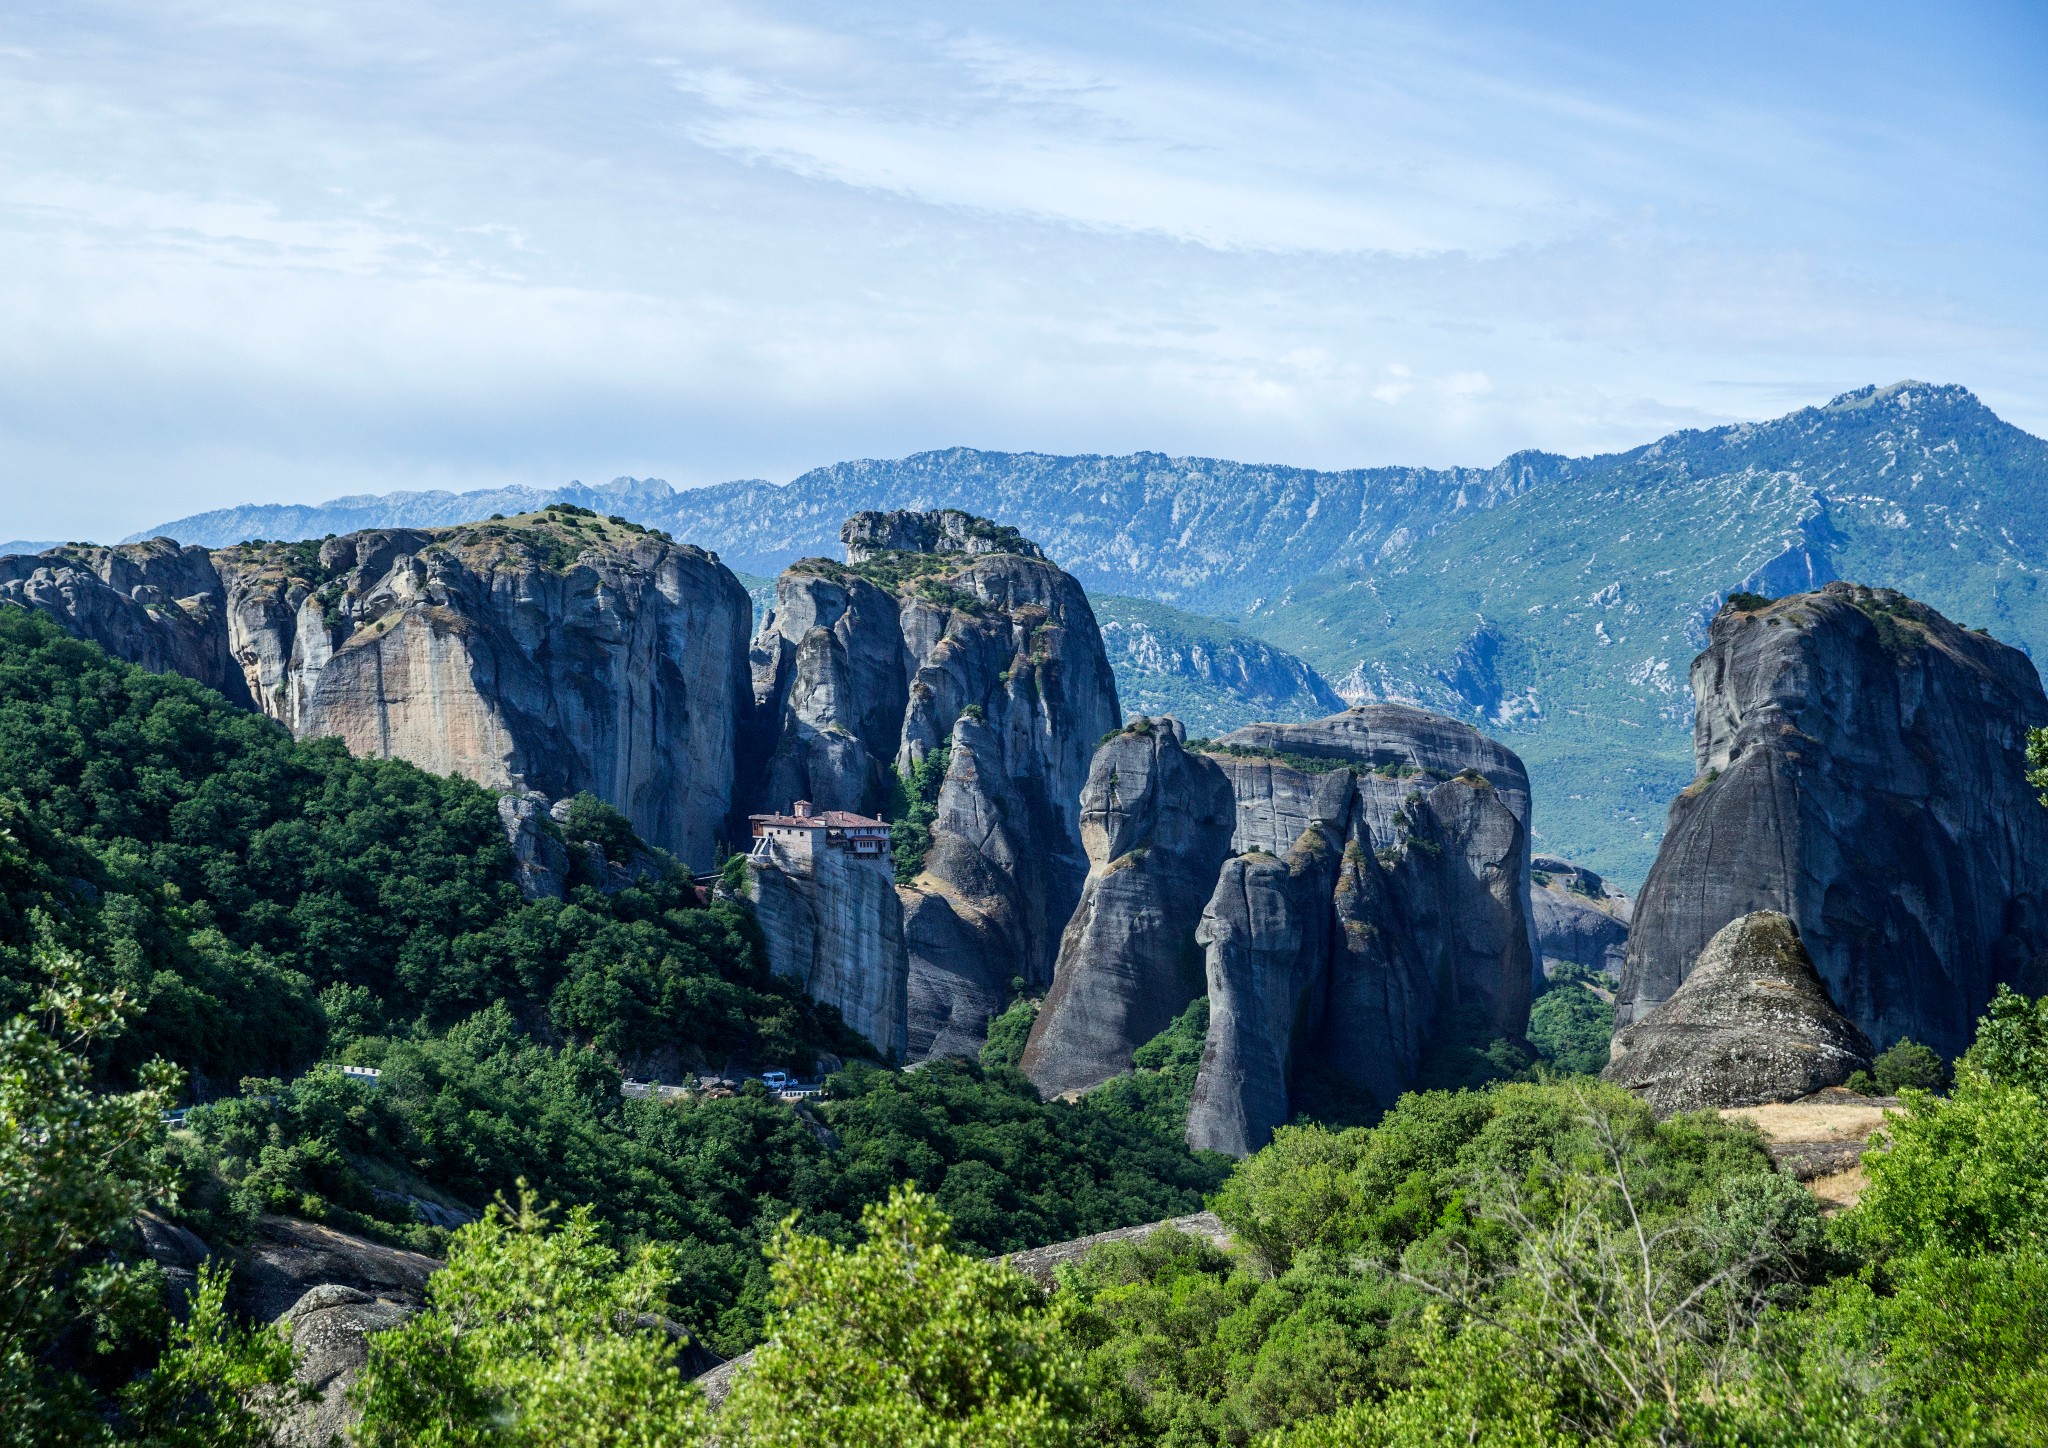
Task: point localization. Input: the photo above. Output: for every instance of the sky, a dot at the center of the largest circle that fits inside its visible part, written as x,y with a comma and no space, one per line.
264,252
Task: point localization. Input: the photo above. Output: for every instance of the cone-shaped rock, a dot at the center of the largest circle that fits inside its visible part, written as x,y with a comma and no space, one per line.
1751,1024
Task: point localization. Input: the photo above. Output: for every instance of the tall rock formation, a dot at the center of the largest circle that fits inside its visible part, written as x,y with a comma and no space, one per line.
1156,823
944,631
552,653
155,604
1378,902
1751,1023
1861,770
1266,933
556,652
831,919
1580,919
1377,898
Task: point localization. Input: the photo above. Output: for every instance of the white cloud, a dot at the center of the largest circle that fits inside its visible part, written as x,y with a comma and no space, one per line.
260,251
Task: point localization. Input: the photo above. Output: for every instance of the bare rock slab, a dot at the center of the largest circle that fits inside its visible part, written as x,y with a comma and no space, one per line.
1751,1024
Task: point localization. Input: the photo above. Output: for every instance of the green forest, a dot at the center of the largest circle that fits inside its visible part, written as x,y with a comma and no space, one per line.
197,911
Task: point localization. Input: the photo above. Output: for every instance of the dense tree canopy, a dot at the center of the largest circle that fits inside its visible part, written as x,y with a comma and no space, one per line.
270,905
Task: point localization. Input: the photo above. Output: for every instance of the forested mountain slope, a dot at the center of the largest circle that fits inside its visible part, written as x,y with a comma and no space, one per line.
1210,675
1570,615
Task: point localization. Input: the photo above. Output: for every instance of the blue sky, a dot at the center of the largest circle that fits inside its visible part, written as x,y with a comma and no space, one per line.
252,251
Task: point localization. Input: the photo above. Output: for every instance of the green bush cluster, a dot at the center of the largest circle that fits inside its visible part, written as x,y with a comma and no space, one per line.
1569,1025
912,806
1905,1063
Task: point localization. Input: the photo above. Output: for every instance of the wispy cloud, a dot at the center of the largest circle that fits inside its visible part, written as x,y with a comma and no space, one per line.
250,250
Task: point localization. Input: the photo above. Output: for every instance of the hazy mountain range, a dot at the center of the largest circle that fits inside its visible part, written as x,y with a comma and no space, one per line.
1556,601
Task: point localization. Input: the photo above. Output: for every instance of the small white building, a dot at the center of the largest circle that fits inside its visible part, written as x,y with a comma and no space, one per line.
801,832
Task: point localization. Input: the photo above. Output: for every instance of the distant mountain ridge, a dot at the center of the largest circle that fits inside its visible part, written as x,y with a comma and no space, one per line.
1558,599
1201,533
1570,616
1211,676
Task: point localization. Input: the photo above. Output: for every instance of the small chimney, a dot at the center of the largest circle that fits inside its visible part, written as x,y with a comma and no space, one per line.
801,809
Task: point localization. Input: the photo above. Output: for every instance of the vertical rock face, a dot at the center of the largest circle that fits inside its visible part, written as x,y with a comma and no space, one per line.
155,604
832,920
1579,917
1156,823
554,653
551,653
1400,905
1266,931
1861,770
1750,1024
829,673
1395,748
538,853
945,628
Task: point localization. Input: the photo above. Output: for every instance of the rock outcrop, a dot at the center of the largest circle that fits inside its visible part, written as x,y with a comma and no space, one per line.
1580,919
1156,823
1395,914
155,604
555,653
832,920
551,654
1393,749
1266,933
330,1328
1750,1024
944,632
1862,770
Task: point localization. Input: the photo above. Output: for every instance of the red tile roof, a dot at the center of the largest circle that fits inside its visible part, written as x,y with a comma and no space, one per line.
837,819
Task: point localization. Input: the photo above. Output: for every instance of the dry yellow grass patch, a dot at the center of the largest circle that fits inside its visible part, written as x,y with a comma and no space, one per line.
1839,1190
1813,1119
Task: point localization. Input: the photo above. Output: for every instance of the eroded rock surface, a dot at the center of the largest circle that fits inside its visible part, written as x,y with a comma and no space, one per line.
1579,917
1265,932
1156,823
1750,1024
330,1328
551,653
1396,915
155,604
1862,770
944,631
832,920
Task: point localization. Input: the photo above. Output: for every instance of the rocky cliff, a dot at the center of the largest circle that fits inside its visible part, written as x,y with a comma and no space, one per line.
832,920
553,653
1156,823
1375,898
944,632
154,604
1378,903
1751,1023
1579,918
1861,766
